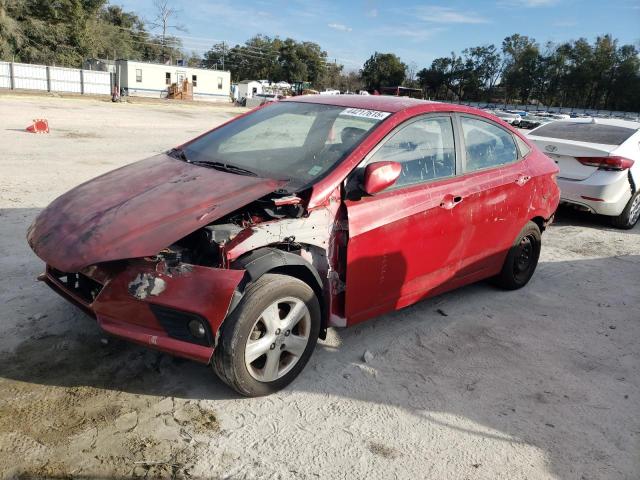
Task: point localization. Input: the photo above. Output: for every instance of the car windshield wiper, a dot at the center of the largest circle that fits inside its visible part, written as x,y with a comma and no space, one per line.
178,153
225,167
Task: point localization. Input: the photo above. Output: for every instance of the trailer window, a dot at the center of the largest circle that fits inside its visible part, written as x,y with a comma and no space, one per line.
194,80
219,83
139,75
167,78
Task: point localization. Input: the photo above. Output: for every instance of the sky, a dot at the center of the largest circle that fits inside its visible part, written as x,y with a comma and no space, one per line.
418,32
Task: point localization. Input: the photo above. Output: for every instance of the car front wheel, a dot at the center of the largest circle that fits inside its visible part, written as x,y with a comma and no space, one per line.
630,215
522,259
267,340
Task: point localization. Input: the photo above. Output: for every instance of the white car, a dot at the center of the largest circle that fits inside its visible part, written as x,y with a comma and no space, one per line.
510,118
554,116
599,162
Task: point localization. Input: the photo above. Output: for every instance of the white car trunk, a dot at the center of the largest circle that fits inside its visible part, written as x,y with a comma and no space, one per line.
564,153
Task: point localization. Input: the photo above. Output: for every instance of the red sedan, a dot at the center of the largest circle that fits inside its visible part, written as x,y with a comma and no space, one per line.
241,247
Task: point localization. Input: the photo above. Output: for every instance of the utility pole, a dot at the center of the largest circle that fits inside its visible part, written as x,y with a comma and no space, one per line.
223,52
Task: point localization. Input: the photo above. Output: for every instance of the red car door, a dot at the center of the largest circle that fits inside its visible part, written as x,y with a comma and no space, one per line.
406,241
496,195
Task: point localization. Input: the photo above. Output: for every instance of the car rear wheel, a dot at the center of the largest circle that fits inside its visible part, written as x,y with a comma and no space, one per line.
522,259
630,215
269,337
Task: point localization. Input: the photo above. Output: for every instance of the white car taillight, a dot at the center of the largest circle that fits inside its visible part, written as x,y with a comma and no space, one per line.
606,163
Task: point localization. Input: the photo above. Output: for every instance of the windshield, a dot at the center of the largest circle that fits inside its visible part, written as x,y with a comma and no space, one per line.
298,142
585,132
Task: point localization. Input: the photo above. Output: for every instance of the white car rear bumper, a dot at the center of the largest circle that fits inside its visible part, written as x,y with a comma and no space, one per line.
611,188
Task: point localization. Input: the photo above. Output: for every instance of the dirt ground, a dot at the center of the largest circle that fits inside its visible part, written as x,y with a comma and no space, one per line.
475,384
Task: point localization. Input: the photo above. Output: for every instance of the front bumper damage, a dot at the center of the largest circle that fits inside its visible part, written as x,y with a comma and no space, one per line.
149,303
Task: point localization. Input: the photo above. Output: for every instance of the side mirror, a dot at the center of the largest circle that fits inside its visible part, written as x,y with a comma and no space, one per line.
380,175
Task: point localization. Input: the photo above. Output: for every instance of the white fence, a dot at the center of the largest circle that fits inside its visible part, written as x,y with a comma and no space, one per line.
54,79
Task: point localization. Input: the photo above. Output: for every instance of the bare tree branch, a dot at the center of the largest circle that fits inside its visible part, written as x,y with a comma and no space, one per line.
164,15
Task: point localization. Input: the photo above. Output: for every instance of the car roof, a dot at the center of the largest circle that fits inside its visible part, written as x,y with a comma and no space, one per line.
384,103
617,122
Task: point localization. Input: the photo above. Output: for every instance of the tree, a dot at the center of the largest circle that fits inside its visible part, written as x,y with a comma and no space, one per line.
451,75
54,32
116,34
332,77
215,56
411,75
165,15
11,38
577,73
66,32
256,59
554,70
263,57
351,82
483,66
625,86
383,70
431,81
523,66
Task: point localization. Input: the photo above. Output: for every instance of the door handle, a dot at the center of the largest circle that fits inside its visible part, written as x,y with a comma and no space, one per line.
449,201
522,179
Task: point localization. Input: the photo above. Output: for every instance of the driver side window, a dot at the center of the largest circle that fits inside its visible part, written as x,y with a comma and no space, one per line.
425,149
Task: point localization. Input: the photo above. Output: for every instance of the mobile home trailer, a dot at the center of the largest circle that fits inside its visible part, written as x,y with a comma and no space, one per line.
153,79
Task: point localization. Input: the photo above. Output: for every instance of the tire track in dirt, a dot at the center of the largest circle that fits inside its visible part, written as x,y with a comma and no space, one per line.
91,429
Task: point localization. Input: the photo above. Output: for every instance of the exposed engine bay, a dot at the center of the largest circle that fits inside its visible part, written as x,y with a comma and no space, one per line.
207,245
279,223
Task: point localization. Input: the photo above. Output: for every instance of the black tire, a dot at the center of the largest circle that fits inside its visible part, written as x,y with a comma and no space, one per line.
229,356
630,215
522,259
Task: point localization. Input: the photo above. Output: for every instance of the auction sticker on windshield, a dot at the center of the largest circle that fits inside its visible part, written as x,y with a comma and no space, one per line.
316,169
363,113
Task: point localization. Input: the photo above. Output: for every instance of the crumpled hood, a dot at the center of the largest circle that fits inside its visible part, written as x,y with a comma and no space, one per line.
137,210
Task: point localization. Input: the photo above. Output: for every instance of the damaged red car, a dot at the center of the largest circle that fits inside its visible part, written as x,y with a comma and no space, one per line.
241,247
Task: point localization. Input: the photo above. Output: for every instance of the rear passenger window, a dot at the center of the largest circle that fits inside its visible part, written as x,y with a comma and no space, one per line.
522,146
425,149
487,145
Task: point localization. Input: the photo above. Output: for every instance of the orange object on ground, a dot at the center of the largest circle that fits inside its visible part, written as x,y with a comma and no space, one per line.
39,125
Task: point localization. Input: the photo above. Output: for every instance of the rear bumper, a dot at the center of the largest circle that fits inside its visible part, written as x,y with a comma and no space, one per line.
604,192
124,305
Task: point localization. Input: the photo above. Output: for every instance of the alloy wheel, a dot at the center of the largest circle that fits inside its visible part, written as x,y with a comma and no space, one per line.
634,211
278,339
